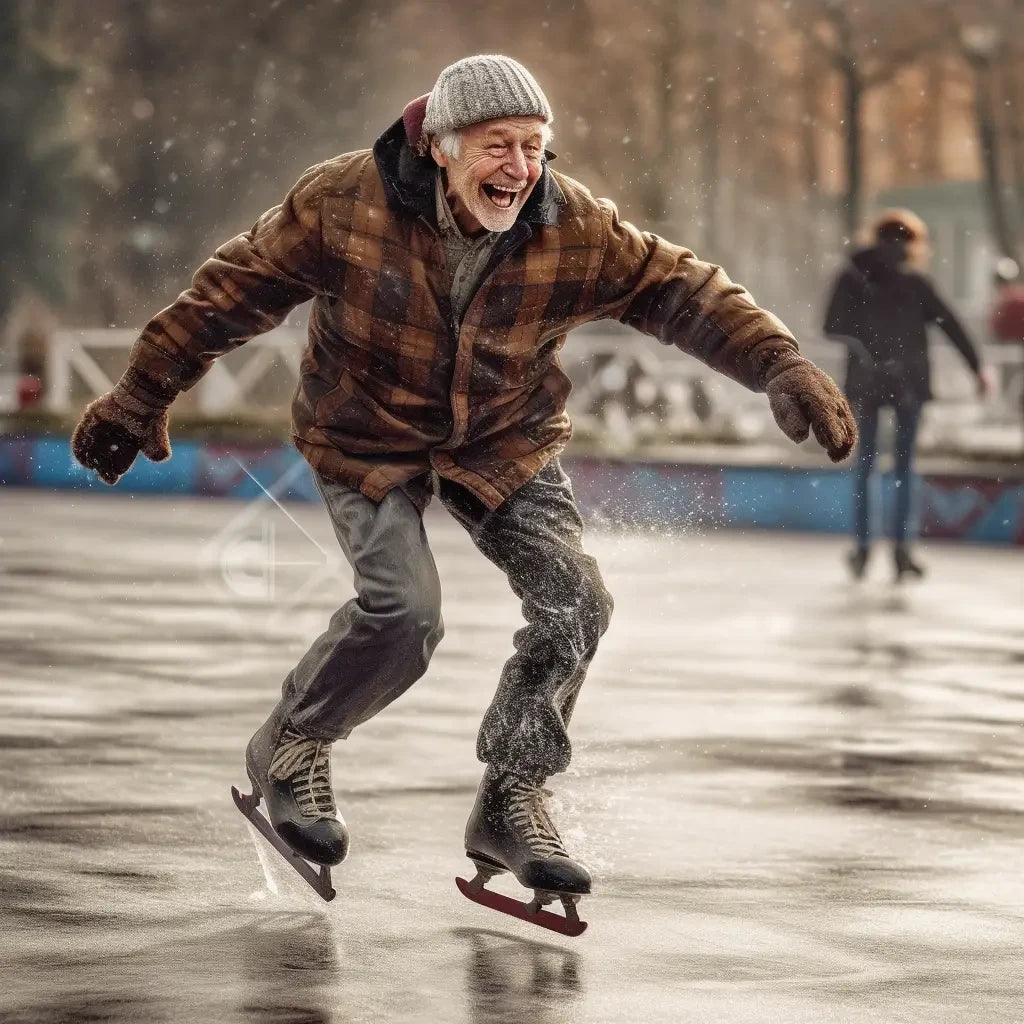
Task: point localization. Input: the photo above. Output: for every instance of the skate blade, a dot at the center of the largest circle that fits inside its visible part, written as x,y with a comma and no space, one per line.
524,911
318,880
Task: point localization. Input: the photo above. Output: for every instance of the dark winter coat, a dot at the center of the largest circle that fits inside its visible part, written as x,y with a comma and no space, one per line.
390,387
881,310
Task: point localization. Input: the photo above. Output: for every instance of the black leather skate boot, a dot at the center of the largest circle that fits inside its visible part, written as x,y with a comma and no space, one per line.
292,773
905,565
857,560
509,829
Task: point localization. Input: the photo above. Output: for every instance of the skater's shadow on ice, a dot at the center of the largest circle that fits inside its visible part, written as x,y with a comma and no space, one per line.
502,968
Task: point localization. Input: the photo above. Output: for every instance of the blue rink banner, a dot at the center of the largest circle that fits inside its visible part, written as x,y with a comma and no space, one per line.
674,495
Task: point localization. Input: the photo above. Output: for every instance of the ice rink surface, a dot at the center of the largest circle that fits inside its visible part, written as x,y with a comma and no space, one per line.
802,800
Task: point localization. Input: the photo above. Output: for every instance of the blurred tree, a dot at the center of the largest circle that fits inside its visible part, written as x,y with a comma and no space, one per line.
44,168
203,122
45,173
934,119
661,156
1012,77
866,43
983,32
721,123
713,17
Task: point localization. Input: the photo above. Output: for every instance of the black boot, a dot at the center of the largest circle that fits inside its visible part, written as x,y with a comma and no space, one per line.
292,773
509,829
857,560
905,565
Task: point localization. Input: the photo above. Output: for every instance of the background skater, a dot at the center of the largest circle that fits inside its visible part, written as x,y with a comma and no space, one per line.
880,308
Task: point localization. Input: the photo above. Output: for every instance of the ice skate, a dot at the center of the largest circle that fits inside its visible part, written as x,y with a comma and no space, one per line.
857,561
292,773
905,566
509,829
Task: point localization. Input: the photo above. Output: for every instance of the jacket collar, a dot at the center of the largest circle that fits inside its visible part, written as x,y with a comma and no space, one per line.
408,180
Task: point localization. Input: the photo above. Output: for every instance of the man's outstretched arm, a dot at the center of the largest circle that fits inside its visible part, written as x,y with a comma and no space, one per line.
665,291
247,287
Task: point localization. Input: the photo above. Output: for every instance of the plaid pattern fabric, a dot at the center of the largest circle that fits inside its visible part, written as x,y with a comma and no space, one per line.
389,387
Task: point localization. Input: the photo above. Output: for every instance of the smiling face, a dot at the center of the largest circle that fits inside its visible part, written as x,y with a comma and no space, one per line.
499,163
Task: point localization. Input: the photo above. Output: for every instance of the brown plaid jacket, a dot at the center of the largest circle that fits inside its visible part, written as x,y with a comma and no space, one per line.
390,387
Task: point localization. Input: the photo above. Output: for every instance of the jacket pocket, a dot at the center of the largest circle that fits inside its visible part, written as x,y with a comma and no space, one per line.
333,403
544,418
350,418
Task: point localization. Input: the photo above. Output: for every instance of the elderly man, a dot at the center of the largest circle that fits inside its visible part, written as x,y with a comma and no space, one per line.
445,268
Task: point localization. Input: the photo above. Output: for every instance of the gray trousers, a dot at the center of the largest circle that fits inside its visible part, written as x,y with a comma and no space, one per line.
380,642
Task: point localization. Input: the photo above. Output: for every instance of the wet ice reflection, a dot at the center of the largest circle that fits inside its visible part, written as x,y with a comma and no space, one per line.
801,800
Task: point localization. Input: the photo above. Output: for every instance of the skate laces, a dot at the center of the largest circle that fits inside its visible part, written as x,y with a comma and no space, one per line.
530,816
306,764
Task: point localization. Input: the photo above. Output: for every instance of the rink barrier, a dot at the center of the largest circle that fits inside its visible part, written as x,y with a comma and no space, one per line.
663,494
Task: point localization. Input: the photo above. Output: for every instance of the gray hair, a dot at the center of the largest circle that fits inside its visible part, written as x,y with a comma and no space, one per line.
450,143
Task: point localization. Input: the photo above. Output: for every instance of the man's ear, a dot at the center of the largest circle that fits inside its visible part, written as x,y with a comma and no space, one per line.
435,151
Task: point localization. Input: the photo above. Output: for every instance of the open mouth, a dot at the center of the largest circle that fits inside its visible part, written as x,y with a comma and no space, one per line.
500,195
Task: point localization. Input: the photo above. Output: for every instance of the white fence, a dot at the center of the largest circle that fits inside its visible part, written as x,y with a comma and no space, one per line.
96,358
627,389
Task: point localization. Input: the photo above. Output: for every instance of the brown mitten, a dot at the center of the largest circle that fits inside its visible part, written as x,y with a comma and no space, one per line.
115,428
804,398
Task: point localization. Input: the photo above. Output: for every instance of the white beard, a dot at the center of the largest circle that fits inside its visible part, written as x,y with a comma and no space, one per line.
493,218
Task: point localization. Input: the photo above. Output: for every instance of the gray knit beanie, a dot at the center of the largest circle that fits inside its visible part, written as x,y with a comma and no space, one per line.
478,88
